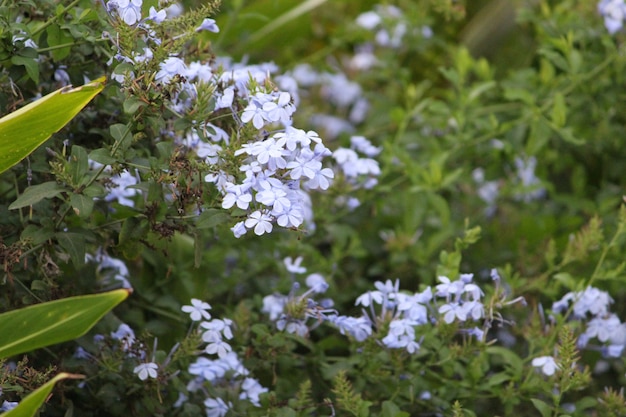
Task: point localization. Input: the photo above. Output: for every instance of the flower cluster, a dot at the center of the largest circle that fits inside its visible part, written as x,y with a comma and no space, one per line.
591,306
388,314
226,370
292,312
388,24
121,185
344,95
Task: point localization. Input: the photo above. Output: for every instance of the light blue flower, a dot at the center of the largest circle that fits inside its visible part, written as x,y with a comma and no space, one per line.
128,10
546,363
216,407
614,13
208,25
8,405
317,283
157,17
251,389
197,310
260,221
146,370
294,265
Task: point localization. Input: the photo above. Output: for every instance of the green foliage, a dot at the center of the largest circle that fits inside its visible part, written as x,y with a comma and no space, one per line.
501,154
347,399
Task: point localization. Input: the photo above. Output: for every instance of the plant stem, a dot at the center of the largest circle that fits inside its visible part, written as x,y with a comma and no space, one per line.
54,18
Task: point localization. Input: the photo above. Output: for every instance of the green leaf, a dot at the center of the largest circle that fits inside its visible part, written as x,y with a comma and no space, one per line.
479,90
132,104
31,65
24,130
53,322
539,135
211,218
74,244
34,194
57,37
36,234
510,359
78,165
544,409
390,409
118,131
559,111
102,156
82,205
31,403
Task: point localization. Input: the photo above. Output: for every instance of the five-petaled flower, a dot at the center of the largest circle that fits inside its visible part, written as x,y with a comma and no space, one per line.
146,370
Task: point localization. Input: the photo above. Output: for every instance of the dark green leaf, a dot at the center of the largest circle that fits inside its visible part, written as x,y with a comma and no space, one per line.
82,205
74,244
36,193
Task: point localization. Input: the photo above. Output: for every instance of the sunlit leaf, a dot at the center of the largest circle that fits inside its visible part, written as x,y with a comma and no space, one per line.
53,322
31,403
22,131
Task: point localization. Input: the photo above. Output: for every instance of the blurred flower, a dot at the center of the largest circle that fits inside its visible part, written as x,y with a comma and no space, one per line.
128,10
614,13
316,283
216,407
293,265
124,334
8,405
157,17
251,389
208,25
546,363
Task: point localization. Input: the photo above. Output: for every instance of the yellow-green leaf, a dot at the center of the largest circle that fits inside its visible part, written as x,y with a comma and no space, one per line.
53,322
22,131
31,403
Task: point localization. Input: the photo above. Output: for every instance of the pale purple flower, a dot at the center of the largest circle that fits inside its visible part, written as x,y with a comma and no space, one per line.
122,189
293,265
274,305
251,389
546,363
261,221
219,347
197,310
146,370
239,229
317,283
128,10
169,68
208,25
451,311
124,334
370,297
216,407
157,17
614,13
255,113
237,194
